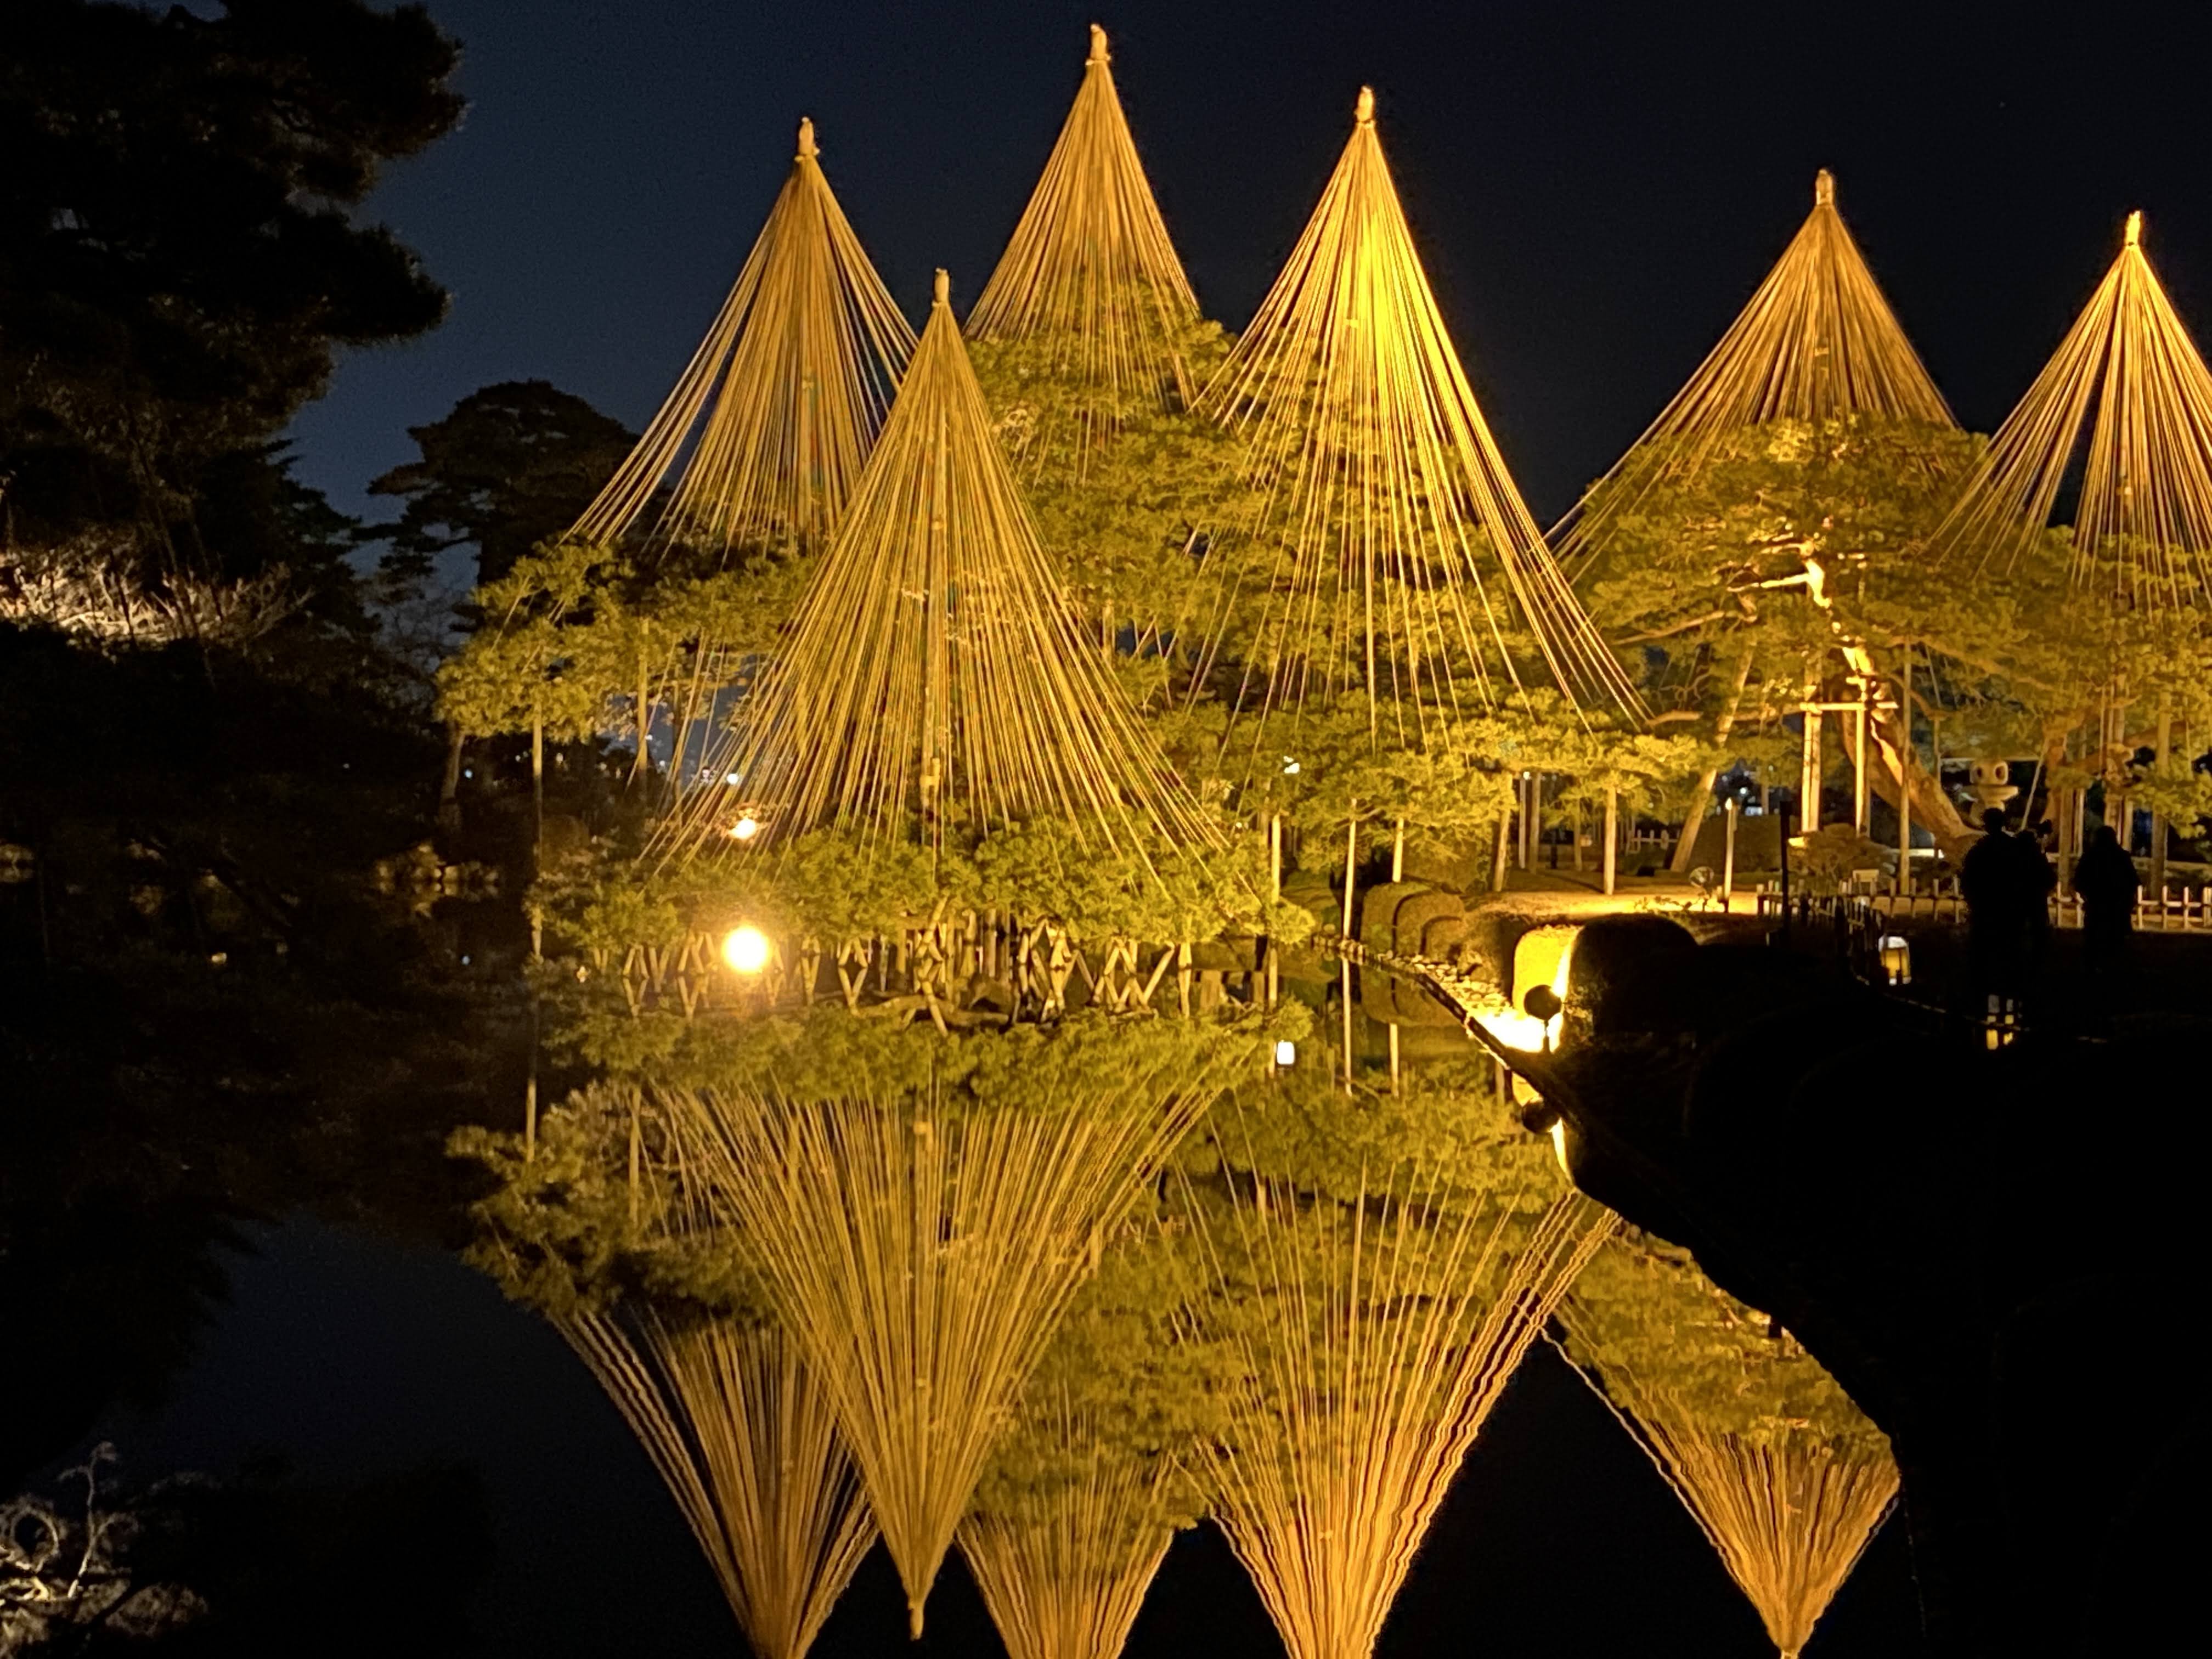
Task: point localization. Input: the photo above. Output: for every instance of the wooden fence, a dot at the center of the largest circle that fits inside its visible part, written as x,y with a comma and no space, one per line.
971,968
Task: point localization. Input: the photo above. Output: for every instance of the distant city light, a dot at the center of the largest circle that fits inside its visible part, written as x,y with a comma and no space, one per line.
745,949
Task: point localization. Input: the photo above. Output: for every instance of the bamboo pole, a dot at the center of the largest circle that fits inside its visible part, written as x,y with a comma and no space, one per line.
1611,837
1728,855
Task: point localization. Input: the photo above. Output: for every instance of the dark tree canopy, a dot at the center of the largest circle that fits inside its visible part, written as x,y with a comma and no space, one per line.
179,255
513,464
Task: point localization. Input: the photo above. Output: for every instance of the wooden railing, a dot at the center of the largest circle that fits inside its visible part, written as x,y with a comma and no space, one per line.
966,969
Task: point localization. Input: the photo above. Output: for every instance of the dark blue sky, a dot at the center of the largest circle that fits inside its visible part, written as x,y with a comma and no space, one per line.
1596,188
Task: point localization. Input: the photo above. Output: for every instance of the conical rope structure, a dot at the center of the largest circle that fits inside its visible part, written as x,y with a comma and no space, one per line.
1817,342
1377,1335
934,684
921,1251
766,433
1389,556
746,1442
1091,277
1066,1578
1781,1472
2142,520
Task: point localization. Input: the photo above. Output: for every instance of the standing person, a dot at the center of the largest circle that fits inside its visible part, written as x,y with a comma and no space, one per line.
2107,881
2039,880
1994,879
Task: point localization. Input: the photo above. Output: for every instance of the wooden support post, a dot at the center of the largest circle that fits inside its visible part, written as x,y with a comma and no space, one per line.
1393,1056
1398,851
2158,819
1275,856
1345,998
1351,866
1808,777
1497,854
1581,828
1728,854
1612,835
1859,765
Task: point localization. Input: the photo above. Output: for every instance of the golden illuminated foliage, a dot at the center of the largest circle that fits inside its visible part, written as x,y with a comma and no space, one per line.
1090,277
932,685
1388,558
2142,518
1780,1470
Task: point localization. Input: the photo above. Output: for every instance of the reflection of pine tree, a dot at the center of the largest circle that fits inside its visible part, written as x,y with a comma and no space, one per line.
1375,1334
921,1245
747,1444
1085,1494
1783,1474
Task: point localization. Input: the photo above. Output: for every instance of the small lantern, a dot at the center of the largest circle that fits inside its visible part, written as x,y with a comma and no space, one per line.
1286,1053
1896,959
745,949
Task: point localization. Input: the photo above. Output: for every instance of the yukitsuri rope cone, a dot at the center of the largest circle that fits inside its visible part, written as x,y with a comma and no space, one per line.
933,679
921,1253
765,434
1091,276
747,1444
1065,1578
2142,522
1817,342
1782,1473
1389,556
1375,1336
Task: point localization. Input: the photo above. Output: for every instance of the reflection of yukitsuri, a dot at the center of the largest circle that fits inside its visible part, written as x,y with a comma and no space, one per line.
2142,522
1376,1335
1817,342
920,1249
1064,1573
932,677
747,1444
1390,558
765,435
1091,277
1783,1474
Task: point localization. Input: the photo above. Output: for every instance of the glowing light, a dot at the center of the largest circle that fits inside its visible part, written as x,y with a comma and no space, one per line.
1286,1053
745,949
1290,767
1897,959
1559,1145
745,828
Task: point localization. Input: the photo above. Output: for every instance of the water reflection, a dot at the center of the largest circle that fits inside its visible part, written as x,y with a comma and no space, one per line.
1783,1474
1055,1294
747,1444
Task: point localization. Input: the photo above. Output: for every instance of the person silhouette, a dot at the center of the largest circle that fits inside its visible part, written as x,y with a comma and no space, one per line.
2107,882
1994,879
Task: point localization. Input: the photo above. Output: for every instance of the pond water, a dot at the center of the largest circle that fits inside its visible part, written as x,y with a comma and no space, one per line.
348,1361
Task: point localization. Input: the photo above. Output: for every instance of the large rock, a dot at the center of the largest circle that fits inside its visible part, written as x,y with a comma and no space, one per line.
1378,912
1630,974
1416,914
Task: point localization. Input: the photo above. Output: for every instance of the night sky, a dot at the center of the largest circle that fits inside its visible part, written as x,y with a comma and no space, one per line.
1596,188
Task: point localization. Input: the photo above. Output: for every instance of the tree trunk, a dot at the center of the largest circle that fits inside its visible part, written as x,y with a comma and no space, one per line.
1612,838
537,781
449,785
1686,848
1497,855
1931,808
